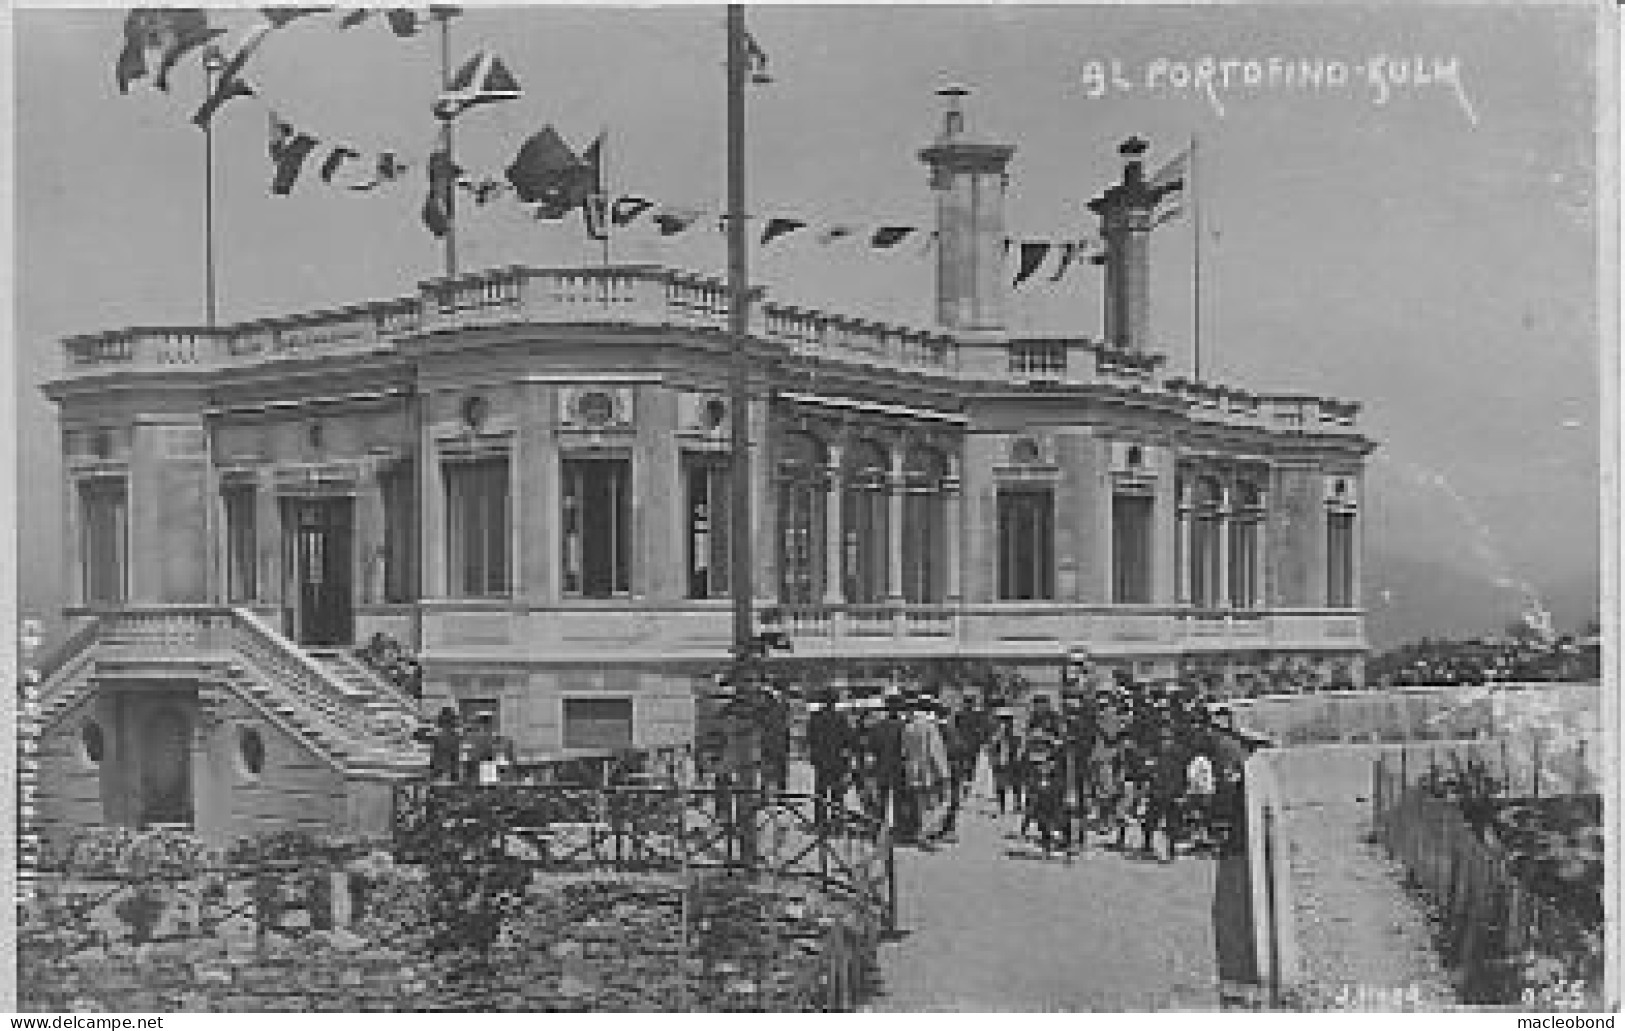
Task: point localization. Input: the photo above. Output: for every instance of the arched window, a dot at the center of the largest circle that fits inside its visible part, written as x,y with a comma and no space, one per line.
801,486
1244,520
925,534
864,529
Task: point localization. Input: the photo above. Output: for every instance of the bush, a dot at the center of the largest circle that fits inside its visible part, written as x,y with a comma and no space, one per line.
128,854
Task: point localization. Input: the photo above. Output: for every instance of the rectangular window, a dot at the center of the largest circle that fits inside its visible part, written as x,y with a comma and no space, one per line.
597,523
1340,560
598,723
477,527
1204,560
706,481
242,546
801,541
104,551
1131,549
924,535
398,485
1026,545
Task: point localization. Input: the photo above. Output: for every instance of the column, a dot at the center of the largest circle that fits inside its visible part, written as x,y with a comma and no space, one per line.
833,593
432,541
73,591
368,559
896,484
267,540
1260,561
1184,571
763,506
1222,520
534,489
952,529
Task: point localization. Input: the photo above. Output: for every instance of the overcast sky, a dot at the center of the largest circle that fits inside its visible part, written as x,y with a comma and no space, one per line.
1431,255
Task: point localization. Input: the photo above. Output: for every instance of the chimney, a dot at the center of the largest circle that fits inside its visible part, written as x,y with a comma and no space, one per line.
1126,211
968,177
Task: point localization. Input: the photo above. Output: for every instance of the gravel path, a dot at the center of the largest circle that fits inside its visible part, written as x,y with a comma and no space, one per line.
985,930
1363,941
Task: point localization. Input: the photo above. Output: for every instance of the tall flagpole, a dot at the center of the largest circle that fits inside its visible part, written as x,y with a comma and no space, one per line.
740,585
213,62
446,141
1196,267
603,193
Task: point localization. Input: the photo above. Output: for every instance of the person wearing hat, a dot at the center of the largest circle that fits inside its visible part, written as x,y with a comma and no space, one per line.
1004,753
884,744
925,761
1046,789
445,741
829,746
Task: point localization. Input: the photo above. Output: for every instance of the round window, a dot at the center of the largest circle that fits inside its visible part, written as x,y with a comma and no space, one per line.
475,409
595,408
251,750
93,740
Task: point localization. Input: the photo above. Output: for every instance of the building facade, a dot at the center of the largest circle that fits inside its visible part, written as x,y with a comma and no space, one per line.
523,474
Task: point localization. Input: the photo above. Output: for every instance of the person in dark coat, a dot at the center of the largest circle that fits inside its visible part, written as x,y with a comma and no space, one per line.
1004,752
829,745
1169,765
885,746
445,741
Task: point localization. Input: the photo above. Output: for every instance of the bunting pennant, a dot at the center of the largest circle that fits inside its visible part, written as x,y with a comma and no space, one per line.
756,61
1069,253
280,16
1168,212
889,236
229,86
627,208
351,19
403,21
443,173
289,149
338,156
483,79
388,169
594,201
777,227
170,30
676,220
1033,253
837,232
1172,175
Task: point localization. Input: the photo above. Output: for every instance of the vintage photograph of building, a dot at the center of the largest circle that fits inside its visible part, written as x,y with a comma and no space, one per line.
585,508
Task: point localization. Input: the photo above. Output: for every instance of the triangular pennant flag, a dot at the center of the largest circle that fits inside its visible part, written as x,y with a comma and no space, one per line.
483,79
547,173
837,232
889,236
594,202
353,18
1171,176
484,190
1169,212
595,217
756,61
1033,254
403,21
443,173
1069,253
132,59
777,227
676,220
280,16
339,156
388,169
229,85
627,208
289,149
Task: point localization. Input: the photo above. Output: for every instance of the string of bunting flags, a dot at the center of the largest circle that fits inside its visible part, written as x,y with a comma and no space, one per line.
546,178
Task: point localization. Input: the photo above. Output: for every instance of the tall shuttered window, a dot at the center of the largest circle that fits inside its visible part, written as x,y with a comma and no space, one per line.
925,531
241,543
706,483
477,527
597,519
399,487
1340,560
104,550
1026,545
865,524
1131,549
802,488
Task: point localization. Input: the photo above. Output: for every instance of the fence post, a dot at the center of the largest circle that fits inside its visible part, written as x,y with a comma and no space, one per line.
1506,767
1536,774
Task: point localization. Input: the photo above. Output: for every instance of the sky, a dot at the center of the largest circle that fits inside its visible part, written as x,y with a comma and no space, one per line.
1426,249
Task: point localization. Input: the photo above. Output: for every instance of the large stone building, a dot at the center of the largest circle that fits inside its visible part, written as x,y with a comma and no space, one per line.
523,473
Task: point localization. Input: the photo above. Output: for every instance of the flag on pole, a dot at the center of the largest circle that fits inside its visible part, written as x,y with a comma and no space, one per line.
403,21
756,61
443,173
548,174
674,220
1171,182
289,149
280,16
777,227
230,86
483,79
170,30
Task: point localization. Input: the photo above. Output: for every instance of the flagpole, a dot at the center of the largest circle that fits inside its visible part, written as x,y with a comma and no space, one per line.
1196,268
740,580
446,141
603,189
213,62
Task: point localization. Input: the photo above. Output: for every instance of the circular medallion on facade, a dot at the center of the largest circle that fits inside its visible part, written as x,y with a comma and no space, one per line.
93,741
595,407
251,750
475,409
1136,456
1024,451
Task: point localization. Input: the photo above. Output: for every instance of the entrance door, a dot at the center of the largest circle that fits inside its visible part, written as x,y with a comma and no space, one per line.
317,539
166,767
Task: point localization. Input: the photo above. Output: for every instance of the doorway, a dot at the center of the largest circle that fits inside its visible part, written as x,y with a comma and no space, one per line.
166,767
317,534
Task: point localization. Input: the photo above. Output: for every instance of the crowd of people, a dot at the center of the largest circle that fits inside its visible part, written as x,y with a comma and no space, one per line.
1488,661
1162,761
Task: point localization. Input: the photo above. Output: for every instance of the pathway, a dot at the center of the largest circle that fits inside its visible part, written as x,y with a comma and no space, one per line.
986,930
